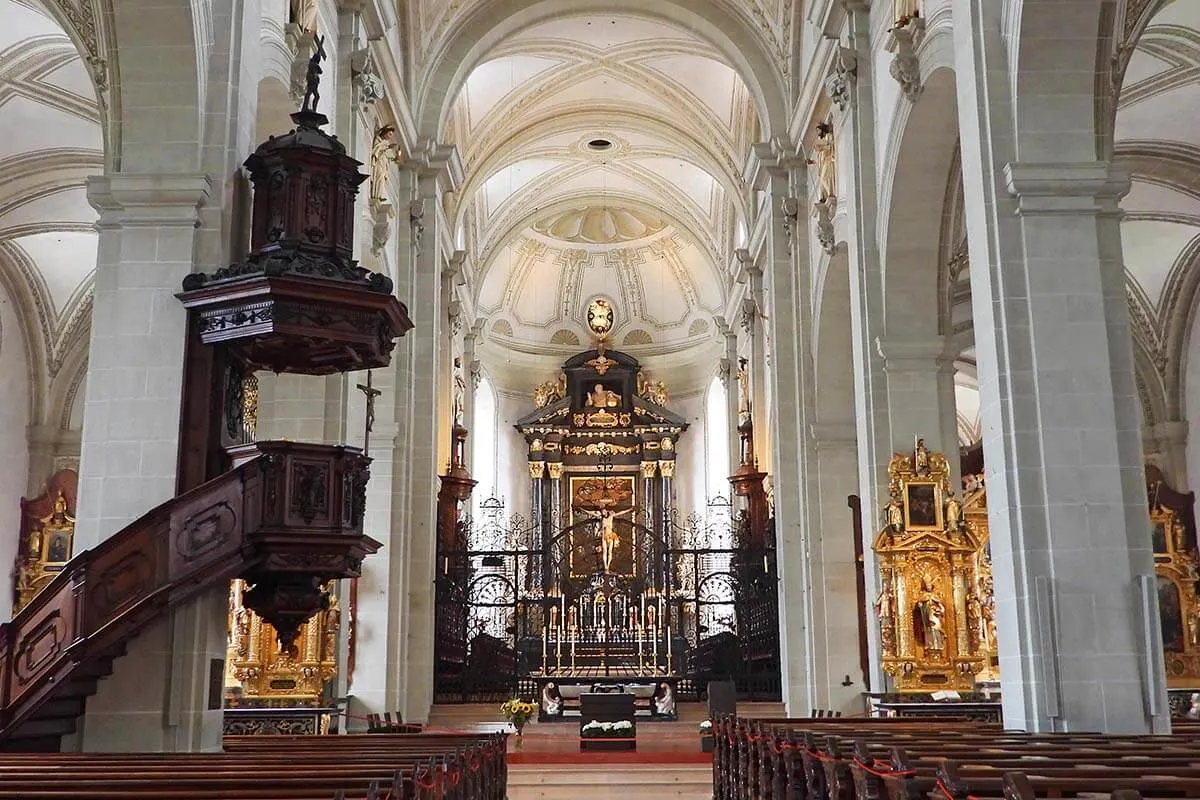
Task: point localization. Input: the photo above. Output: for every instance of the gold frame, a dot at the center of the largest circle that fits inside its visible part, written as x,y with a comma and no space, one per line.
1178,567
939,522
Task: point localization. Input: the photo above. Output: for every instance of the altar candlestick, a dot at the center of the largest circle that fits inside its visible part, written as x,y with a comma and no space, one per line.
545,636
638,633
643,605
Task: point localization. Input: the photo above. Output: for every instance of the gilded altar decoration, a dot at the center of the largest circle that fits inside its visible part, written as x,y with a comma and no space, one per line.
600,317
1177,572
601,449
935,595
47,537
654,391
550,391
258,672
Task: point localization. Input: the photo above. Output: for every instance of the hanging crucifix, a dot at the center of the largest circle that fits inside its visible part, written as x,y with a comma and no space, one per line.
371,392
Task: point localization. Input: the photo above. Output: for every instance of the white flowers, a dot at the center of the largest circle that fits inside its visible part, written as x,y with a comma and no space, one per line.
595,728
706,726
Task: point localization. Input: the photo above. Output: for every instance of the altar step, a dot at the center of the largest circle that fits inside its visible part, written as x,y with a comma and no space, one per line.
464,715
610,782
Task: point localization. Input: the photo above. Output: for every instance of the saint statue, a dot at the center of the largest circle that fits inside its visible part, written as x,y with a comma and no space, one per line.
893,516
600,397
57,530
884,609
905,11
304,15
610,540
953,513
975,624
384,152
743,378
459,394
921,458
929,616
825,158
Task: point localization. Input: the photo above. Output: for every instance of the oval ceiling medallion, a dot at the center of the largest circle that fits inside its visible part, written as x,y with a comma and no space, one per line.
600,225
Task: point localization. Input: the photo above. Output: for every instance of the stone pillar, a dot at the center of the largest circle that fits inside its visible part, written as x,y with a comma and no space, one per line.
788,313
1076,605
920,397
1165,445
856,140
422,392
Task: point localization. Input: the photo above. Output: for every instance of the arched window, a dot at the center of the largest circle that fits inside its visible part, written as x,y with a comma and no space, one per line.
483,442
716,441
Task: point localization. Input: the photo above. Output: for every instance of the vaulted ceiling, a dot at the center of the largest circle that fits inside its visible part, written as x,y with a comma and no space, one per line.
52,143
1158,138
603,156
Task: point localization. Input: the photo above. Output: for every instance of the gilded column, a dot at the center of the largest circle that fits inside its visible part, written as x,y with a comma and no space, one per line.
537,473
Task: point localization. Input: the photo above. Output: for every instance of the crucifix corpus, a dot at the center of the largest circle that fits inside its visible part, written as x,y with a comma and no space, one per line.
371,392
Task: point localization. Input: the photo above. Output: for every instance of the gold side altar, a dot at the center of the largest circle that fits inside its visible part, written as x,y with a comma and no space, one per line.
935,603
1173,536
47,536
261,674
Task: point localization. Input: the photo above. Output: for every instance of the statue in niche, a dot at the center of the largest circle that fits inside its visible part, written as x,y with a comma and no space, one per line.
825,159
929,616
304,15
459,392
601,397
921,458
57,529
384,152
953,513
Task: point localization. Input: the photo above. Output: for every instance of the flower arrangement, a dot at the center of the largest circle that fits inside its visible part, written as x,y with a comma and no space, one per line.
706,727
610,730
518,712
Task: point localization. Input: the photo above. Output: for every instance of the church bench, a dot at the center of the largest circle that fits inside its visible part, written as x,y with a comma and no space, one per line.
273,768
762,759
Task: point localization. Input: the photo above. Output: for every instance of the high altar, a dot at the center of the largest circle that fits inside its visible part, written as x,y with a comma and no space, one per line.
935,606
601,453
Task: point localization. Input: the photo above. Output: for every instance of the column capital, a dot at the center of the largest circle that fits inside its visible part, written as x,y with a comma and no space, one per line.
149,199
1172,433
833,434
1066,188
429,159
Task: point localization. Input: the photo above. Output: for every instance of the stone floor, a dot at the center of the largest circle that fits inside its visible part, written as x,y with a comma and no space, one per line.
546,763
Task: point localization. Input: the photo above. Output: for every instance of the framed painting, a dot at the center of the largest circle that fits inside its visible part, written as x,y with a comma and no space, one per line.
923,506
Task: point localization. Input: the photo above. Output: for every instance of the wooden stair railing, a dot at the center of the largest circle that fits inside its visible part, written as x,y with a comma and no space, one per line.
290,516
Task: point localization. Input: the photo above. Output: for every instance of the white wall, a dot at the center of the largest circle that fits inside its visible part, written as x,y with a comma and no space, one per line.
512,472
14,419
690,495
1191,400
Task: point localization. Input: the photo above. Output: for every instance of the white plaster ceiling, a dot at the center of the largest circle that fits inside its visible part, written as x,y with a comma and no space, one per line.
1158,137
52,141
551,220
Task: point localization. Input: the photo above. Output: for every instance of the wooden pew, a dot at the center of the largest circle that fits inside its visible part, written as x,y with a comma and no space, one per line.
400,767
820,759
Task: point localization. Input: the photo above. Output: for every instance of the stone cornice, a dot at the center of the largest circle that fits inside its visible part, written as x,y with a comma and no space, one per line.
1066,188
127,200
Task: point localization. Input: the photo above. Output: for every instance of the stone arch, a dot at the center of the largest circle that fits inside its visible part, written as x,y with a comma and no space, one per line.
1061,63
160,82
487,25
913,194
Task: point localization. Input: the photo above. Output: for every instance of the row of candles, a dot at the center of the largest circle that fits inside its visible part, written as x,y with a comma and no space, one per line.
564,624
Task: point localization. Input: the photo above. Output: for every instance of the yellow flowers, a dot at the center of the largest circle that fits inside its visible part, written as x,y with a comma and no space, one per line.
518,709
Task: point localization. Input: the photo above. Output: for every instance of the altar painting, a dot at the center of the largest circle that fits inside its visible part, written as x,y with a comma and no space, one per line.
603,525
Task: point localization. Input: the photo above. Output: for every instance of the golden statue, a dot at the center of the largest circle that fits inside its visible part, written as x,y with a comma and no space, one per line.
654,391
928,619
893,516
921,458
550,391
601,397
953,513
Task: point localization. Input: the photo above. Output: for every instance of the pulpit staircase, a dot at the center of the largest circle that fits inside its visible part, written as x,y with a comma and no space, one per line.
255,520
